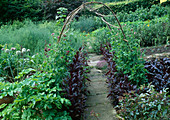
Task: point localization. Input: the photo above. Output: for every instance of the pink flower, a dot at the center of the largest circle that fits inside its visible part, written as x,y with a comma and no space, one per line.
58,37
64,35
48,49
13,48
49,44
52,34
134,32
2,49
45,49
129,35
67,52
61,57
125,24
131,29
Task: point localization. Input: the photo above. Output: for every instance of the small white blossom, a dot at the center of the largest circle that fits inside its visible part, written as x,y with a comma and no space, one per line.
28,50
33,56
24,50
7,50
90,47
18,52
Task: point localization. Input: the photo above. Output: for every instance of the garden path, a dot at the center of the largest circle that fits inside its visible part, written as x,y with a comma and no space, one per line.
97,102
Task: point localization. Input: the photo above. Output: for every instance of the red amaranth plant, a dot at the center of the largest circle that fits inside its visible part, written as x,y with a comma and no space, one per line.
75,87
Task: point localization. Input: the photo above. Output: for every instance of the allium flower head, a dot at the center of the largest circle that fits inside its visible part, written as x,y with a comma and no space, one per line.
13,48
18,52
2,49
24,50
7,50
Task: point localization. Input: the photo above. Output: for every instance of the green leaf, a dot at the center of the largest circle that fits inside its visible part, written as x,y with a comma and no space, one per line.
3,105
159,107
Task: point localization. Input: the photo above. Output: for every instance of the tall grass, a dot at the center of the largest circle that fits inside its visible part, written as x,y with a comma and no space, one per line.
28,34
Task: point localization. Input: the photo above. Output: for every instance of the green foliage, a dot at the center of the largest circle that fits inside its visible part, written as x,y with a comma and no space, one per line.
145,106
20,9
100,38
38,93
86,24
150,33
50,7
131,6
37,97
141,14
28,34
128,58
13,61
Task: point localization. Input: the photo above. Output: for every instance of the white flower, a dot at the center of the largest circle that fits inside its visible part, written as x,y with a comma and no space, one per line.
24,50
33,56
18,52
28,50
7,50
90,47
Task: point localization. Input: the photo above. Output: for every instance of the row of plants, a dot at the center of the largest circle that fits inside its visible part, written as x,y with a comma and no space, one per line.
50,84
91,23
34,35
127,6
135,83
146,32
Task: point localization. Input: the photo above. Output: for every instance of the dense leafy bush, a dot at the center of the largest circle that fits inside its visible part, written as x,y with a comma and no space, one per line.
147,32
159,73
20,9
91,23
151,105
28,34
39,89
75,87
101,38
118,82
13,61
131,6
50,7
142,14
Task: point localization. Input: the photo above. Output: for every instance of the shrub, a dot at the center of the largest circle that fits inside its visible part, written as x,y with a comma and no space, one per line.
28,34
50,7
39,92
13,61
19,10
130,6
101,38
158,73
118,82
151,105
75,87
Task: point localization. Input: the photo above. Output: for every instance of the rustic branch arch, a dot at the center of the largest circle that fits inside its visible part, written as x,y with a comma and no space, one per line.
85,5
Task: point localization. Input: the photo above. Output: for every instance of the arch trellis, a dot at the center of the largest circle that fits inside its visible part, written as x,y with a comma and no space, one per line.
85,6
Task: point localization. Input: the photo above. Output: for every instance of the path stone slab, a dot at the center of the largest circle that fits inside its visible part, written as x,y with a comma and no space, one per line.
97,99
97,102
97,88
104,111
